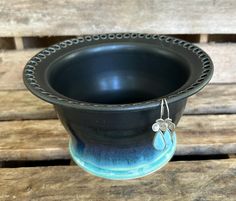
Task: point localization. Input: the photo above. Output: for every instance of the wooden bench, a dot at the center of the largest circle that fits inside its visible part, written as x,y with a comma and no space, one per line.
30,131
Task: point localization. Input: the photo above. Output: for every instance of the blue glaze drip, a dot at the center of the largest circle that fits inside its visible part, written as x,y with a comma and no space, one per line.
168,138
158,141
116,162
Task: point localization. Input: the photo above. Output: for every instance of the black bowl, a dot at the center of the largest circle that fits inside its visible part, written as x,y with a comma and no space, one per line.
107,89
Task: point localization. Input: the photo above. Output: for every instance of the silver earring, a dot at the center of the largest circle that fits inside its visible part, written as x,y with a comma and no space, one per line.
164,129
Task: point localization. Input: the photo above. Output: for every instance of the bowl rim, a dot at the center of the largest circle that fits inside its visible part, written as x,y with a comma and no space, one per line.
52,96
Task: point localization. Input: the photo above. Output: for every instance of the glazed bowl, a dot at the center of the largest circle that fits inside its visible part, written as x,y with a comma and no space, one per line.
106,90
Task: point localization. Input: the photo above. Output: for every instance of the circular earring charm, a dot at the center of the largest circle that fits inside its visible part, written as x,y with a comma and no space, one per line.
155,127
171,125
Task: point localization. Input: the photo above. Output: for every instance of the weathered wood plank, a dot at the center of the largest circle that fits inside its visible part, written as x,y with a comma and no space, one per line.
213,99
224,61
203,38
75,17
13,62
11,68
33,140
17,105
213,180
206,134
197,135
19,43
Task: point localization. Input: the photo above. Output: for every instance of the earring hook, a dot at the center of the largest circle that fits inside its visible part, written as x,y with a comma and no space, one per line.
167,109
164,102
162,108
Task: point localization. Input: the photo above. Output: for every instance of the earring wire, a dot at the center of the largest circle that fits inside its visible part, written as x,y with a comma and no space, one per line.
167,109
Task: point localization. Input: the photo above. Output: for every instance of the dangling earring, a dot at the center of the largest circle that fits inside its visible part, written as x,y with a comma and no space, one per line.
164,130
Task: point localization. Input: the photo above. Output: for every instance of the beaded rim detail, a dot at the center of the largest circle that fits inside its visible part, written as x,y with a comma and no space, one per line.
31,81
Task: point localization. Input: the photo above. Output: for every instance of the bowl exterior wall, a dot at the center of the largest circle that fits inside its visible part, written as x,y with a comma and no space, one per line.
117,145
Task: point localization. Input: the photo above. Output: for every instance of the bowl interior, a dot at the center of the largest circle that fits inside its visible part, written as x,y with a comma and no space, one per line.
118,73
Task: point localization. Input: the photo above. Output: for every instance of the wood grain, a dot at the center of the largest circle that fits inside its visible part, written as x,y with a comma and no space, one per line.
11,68
213,180
13,62
33,140
47,139
223,59
19,105
75,17
213,99
206,134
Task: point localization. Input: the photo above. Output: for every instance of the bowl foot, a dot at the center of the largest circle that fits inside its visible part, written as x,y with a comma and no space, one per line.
119,172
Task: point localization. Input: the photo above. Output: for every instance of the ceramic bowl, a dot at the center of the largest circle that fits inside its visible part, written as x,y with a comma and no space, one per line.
107,89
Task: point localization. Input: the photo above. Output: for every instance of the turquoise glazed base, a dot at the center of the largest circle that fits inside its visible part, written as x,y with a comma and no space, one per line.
120,163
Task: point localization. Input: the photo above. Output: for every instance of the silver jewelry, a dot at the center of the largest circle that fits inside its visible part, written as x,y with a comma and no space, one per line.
164,129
